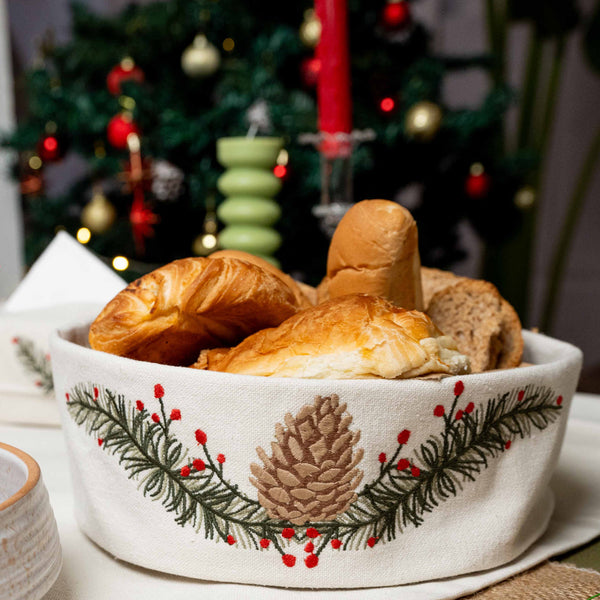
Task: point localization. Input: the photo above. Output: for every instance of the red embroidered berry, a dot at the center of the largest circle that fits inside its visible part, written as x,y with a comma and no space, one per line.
382,457
459,388
508,444
403,436
159,391
67,396
559,400
335,544
403,464
15,340
198,464
439,411
288,533
230,540
175,414
95,394
521,395
220,458
200,437
100,441
264,543
311,532
309,547
139,405
470,407
38,383
185,471
47,357
372,541
415,471
459,415
155,417
312,560
289,560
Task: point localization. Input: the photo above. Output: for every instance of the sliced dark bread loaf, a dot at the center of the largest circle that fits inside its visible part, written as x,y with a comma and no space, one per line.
484,326
434,280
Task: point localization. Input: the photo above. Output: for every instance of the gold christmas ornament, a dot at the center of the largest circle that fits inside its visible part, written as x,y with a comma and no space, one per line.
423,121
312,474
310,30
525,197
99,214
201,59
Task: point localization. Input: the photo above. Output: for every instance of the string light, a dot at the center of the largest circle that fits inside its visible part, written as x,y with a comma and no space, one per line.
387,104
84,235
209,241
280,171
50,144
35,162
228,44
120,263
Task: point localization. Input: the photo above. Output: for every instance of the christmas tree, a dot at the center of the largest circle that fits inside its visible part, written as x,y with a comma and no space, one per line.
184,73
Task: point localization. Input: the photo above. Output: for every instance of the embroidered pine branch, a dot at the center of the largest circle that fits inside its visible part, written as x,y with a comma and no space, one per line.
36,362
194,489
404,492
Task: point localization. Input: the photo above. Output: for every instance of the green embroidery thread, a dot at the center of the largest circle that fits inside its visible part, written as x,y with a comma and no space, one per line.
35,362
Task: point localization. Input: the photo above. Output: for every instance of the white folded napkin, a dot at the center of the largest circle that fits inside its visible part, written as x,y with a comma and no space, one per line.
68,284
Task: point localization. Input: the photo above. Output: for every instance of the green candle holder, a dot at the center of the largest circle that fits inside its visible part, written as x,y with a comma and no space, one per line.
249,186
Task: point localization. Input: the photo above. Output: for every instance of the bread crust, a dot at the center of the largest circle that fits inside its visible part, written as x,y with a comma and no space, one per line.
170,314
350,337
374,250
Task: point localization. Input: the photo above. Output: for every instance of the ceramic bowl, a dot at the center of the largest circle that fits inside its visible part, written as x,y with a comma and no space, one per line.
312,483
30,553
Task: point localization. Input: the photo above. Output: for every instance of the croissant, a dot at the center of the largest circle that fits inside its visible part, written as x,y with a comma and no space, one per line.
170,314
350,337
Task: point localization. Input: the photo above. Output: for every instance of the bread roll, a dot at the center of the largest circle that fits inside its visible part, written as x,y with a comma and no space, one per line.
169,315
484,325
374,250
351,337
305,294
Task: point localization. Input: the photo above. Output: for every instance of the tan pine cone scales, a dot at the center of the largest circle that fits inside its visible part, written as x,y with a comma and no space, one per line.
311,475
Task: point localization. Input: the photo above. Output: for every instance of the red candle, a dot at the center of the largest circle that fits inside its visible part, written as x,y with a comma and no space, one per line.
333,87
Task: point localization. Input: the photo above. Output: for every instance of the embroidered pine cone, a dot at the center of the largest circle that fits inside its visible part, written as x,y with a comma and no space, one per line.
311,475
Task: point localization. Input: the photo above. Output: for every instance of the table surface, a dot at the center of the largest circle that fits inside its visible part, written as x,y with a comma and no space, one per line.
47,446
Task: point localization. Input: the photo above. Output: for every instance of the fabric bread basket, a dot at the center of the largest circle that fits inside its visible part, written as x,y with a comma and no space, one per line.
211,475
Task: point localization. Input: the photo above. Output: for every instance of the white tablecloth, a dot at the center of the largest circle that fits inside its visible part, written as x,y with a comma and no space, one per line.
89,573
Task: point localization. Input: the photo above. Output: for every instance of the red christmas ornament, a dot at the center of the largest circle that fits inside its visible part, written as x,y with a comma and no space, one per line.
198,464
387,105
264,543
459,388
280,171
139,405
126,70
289,560
288,533
50,148
439,411
312,560
119,128
175,415
396,15
310,69
335,544
478,182
200,437
403,436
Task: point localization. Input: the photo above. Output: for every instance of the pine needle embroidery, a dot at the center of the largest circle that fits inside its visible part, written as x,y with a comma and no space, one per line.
36,362
315,447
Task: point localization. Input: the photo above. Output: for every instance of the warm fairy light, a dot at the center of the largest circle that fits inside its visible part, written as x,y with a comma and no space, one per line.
228,44
283,157
84,235
280,171
476,169
209,241
50,144
35,162
120,263
387,104
127,102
